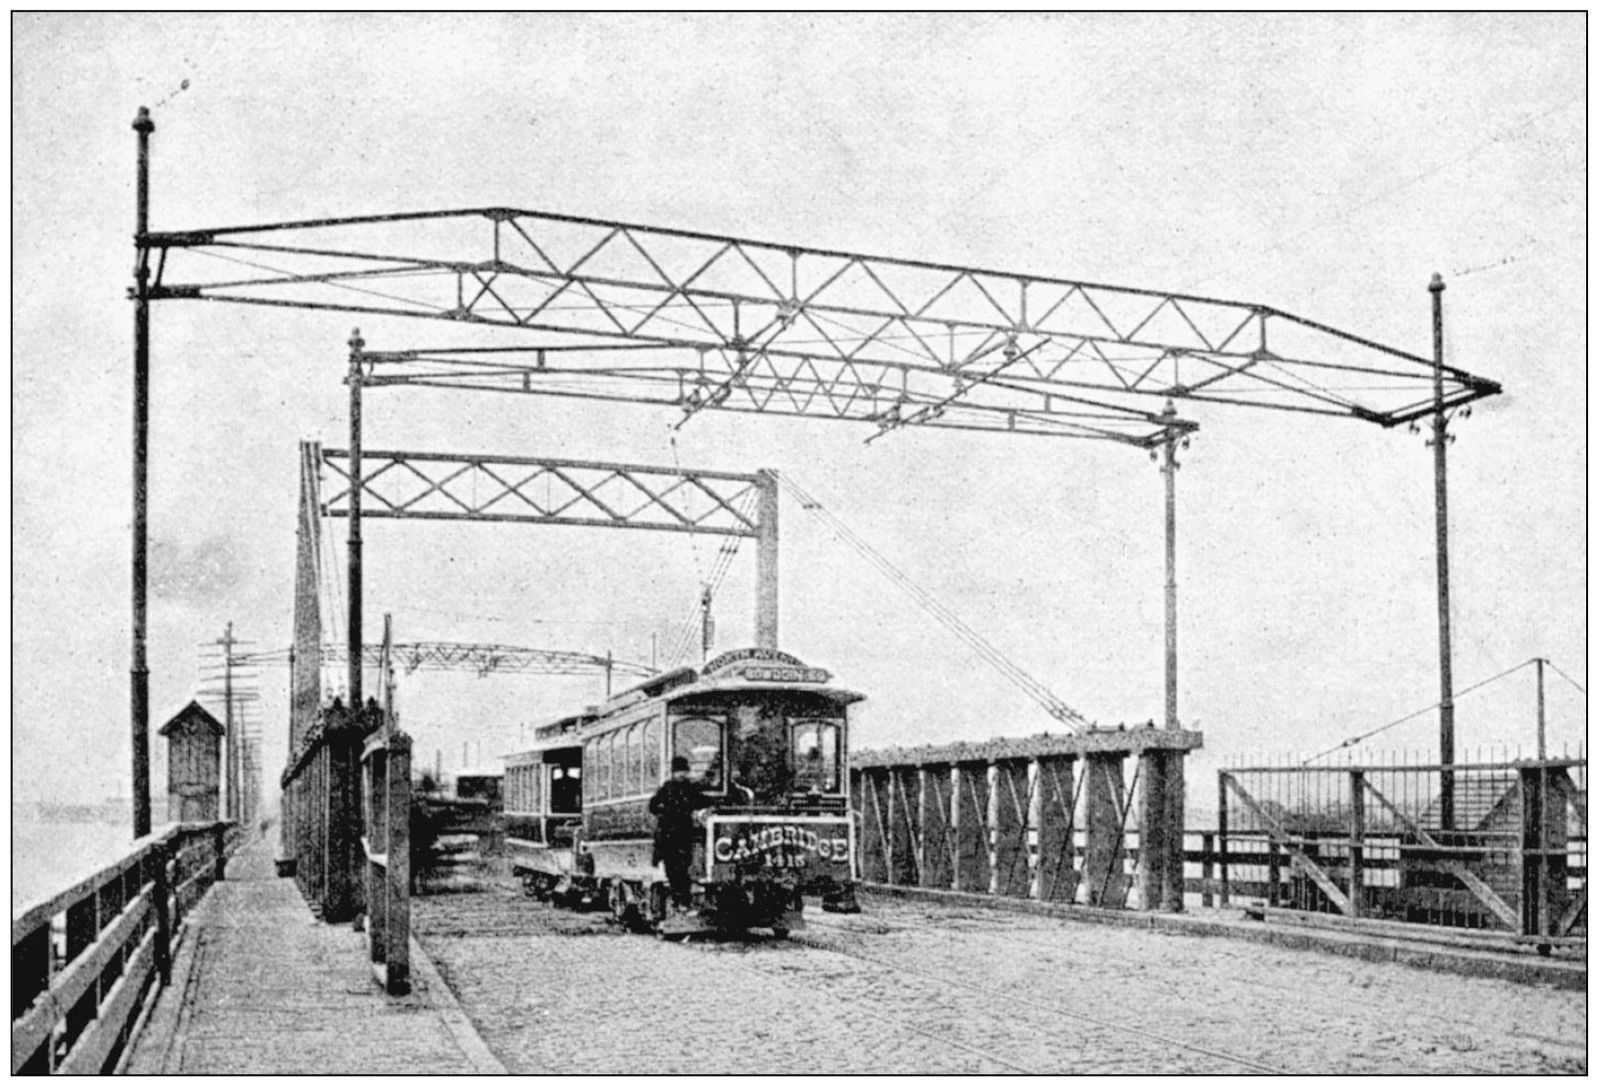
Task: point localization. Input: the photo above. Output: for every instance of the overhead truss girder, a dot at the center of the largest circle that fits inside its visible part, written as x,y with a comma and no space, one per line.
481,659
889,397
593,281
528,489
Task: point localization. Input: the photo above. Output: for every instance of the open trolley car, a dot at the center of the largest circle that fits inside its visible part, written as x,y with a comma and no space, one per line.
766,738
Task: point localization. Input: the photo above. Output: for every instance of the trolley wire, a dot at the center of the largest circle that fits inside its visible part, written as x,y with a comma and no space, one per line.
1422,711
1011,672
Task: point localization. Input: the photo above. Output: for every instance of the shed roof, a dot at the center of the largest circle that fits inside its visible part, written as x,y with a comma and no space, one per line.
191,714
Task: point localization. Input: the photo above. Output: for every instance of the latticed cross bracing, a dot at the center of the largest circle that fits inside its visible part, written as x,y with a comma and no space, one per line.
520,489
481,659
774,328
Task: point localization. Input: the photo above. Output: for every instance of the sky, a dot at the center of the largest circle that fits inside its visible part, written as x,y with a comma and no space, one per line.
1323,165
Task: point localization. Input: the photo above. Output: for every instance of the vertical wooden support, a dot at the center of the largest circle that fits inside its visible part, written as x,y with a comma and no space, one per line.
956,828
975,871
1101,878
1034,814
1544,847
1175,828
993,815
397,902
1273,875
1011,803
1206,870
893,830
374,777
1056,829
1355,849
1223,827
1151,832
924,841
937,826
906,832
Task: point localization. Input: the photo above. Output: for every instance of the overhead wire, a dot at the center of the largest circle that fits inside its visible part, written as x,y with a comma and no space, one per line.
1581,688
984,649
1415,714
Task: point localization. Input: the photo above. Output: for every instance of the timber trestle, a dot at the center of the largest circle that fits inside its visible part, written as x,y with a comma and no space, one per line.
1050,818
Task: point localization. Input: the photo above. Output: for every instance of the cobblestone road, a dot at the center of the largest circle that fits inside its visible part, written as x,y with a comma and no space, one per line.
925,988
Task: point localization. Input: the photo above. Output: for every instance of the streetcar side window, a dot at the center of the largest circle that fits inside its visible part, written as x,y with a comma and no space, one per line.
532,788
635,784
607,771
815,760
651,755
702,740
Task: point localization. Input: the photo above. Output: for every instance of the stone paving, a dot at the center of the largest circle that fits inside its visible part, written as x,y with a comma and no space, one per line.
910,987
259,986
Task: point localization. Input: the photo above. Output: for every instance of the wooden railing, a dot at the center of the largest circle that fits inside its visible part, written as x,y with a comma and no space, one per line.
85,962
385,846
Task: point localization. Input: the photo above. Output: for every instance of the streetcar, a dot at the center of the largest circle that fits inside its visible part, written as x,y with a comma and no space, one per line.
766,739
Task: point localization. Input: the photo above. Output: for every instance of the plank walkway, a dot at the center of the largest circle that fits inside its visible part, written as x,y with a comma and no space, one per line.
260,986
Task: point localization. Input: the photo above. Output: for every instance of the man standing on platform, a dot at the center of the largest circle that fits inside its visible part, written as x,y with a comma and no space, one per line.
673,806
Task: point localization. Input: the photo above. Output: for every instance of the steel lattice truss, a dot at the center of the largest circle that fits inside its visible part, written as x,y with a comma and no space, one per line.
513,489
772,328
481,659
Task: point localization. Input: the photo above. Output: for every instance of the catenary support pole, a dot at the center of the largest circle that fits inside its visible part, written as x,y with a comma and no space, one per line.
765,591
1171,720
1443,606
356,343
140,693
1541,710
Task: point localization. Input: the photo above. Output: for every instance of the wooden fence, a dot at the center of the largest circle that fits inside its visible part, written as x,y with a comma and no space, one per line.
322,813
85,962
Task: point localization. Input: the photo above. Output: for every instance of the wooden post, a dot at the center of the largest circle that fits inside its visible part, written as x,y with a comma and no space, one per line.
1274,874
956,826
1105,783
155,865
922,841
1355,850
397,903
1175,826
1223,827
994,818
1206,869
219,840
1034,815
1151,832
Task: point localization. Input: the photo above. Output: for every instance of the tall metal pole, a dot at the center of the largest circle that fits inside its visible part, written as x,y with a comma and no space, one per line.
1443,606
356,343
140,693
1541,710
1169,470
765,557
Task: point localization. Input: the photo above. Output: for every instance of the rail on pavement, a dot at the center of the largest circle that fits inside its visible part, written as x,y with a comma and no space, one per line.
86,963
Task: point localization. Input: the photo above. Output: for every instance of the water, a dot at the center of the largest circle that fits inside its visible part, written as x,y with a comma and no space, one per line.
49,855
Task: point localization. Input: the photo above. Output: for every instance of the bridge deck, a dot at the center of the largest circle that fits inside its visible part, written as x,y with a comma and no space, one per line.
259,986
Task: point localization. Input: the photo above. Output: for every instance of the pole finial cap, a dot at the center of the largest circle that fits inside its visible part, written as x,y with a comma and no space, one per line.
142,122
1436,281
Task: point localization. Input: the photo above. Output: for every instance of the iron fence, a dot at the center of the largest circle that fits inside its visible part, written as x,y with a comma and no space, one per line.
1499,846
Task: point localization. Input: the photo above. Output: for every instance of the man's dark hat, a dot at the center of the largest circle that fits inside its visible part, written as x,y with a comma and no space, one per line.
679,764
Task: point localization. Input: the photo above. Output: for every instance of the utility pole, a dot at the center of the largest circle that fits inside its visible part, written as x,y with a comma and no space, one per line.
1443,605
140,693
1541,710
765,557
355,483
230,730
1171,720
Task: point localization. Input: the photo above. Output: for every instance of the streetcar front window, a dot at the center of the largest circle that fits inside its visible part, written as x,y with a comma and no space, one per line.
702,741
815,756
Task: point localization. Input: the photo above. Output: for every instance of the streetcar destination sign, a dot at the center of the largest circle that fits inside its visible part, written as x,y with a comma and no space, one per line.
780,844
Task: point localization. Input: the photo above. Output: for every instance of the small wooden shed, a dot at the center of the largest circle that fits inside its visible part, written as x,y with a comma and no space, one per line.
193,764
